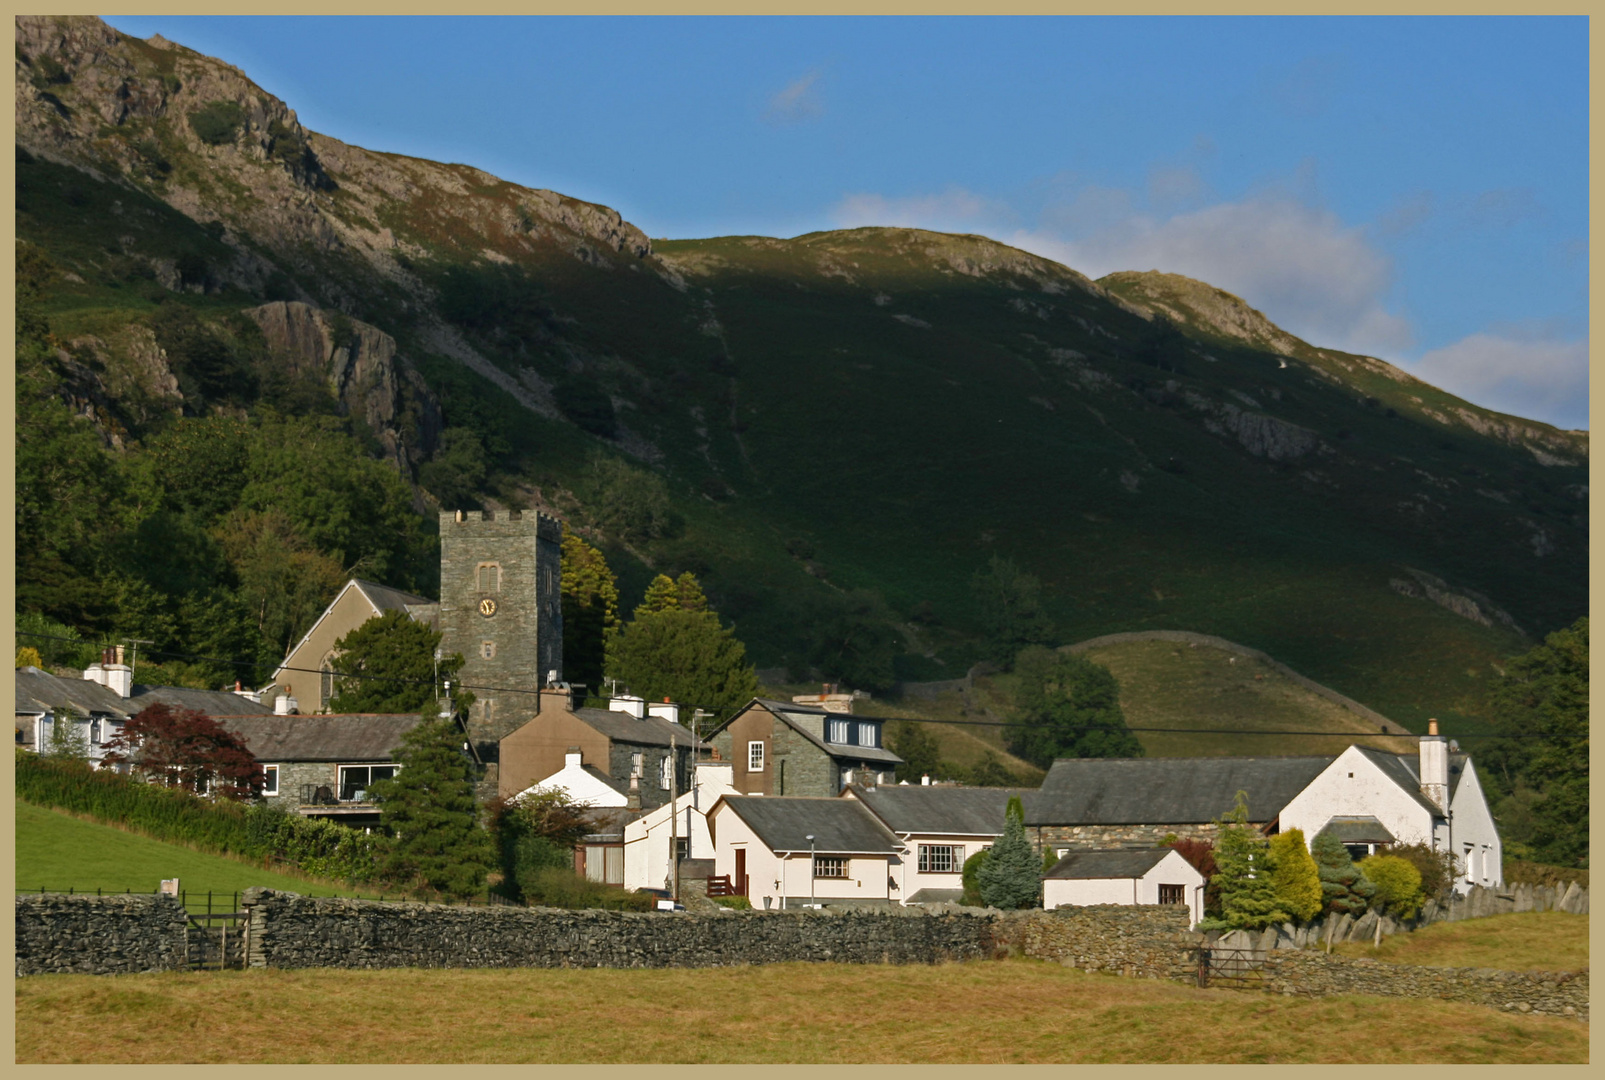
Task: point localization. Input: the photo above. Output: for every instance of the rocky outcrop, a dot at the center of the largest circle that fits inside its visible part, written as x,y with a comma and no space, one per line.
1199,305
1465,603
371,381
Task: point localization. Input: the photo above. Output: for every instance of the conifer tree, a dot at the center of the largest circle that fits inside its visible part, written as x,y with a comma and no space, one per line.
1245,872
1298,882
429,806
1344,889
675,648
1011,877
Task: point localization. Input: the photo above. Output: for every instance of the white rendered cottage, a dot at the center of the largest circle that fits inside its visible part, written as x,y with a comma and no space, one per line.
1153,876
1371,799
763,844
647,863
939,827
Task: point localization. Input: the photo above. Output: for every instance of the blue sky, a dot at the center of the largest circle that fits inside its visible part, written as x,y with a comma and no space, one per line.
1414,189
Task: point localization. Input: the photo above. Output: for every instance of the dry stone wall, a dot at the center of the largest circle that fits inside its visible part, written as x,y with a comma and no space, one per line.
1150,941
99,935
1555,993
290,931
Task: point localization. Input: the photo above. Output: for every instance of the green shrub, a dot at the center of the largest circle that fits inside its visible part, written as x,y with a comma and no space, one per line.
969,877
739,903
1398,885
1298,882
560,887
217,122
1436,868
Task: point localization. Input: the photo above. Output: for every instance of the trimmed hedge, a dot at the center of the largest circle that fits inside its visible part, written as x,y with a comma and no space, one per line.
318,848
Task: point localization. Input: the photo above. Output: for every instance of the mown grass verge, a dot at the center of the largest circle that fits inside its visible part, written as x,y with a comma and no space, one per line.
1006,1012
1528,941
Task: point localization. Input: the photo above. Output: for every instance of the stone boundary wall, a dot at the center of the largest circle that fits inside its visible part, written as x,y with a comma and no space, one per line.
1553,993
100,935
1149,941
290,931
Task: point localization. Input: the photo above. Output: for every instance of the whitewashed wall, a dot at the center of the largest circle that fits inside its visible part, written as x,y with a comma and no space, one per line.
1370,791
646,839
775,876
1471,822
1171,870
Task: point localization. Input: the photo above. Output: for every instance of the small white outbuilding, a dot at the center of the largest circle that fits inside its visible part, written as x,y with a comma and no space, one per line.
1146,876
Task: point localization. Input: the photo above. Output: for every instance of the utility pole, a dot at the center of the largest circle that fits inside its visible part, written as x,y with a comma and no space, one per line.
674,821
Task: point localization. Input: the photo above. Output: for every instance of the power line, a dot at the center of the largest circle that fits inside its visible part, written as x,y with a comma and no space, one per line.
1079,729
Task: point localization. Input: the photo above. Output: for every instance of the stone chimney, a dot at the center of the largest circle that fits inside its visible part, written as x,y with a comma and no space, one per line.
119,677
285,705
628,703
559,698
571,758
667,710
1435,767
925,781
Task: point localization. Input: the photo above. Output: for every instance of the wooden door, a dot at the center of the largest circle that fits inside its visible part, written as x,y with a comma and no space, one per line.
741,872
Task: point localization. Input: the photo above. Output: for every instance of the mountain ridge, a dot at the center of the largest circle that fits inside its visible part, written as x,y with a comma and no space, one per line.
848,423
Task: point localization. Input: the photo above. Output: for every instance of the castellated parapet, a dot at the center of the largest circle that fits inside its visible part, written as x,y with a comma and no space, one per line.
501,607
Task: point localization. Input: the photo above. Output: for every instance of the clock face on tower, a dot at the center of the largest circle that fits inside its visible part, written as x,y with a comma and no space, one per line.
487,607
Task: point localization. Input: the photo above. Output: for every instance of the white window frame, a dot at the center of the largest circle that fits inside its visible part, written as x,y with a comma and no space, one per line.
664,767
866,734
270,783
755,756
954,853
838,731
838,863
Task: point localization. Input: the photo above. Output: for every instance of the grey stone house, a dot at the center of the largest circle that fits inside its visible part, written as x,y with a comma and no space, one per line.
785,748
1109,803
324,766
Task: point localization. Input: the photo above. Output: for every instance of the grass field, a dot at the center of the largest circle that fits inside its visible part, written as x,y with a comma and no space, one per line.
1168,684
56,850
1530,941
1014,1011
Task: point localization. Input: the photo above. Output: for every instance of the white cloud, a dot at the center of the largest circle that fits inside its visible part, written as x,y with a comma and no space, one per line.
1301,266
1540,378
796,102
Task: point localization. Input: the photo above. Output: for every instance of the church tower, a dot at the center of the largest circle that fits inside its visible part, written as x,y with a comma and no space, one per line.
501,607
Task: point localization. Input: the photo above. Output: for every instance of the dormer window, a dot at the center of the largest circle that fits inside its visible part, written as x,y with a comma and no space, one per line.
836,731
490,577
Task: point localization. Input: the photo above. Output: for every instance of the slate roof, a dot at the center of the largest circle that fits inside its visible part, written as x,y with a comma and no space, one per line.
622,727
41,692
839,826
349,737
1361,829
1166,791
956,811
211,702
1107,864
835,750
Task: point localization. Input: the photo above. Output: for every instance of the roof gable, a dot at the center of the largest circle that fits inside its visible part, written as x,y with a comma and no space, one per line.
1112,864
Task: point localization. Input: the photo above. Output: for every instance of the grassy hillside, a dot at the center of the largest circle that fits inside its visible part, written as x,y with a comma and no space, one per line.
993,1013
57,851
837,430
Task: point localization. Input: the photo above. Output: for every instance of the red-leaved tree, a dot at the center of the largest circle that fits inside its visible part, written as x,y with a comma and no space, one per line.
187,749
1201,854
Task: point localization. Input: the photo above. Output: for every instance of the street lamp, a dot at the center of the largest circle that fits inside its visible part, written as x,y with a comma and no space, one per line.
811,903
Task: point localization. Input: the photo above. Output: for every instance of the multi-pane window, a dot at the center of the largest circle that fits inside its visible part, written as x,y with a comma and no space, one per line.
755,757
682,847
1172,894
830,866
356,779
664,768
868,734
836,730
490,577
941,858
271,785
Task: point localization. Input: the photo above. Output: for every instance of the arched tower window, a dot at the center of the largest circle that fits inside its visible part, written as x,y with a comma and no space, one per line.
490,577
